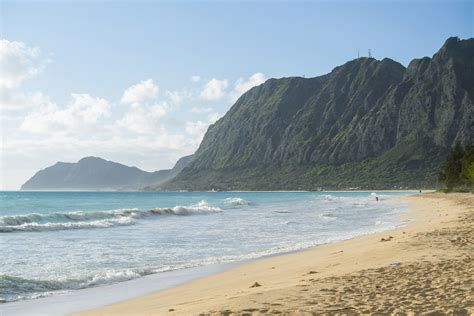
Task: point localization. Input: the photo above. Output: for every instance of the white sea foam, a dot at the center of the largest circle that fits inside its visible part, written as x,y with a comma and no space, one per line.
94,219
59,217
13,288
327,217
200,208
236,201
282,212
38,227
330,198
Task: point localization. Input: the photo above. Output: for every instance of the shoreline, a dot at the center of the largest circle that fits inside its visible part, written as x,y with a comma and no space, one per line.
300,282
99,296
233,191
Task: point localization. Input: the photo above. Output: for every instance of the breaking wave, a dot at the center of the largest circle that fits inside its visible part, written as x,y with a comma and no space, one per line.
94,219
331,198
13,288
39,227
200,208
236,201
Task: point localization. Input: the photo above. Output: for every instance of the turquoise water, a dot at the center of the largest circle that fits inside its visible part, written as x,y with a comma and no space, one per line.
55,242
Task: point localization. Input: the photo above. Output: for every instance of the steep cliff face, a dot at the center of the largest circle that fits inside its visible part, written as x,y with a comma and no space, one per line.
367,123
437,96
300,120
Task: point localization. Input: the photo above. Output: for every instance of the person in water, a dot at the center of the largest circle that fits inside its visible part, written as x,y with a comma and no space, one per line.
376,198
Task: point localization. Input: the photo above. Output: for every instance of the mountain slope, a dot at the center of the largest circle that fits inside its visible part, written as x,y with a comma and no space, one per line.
368,123
93,173
161,176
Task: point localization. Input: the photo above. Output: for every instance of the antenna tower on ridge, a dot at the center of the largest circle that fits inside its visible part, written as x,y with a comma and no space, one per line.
370,53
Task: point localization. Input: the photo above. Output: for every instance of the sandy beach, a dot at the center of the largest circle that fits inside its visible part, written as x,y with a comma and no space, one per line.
425,266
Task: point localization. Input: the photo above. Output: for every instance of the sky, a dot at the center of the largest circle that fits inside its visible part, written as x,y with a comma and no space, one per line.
139,82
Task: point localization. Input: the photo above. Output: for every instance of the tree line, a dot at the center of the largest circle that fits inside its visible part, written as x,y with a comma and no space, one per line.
457,173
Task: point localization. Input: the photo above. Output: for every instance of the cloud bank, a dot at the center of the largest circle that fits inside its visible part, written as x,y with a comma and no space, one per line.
143,127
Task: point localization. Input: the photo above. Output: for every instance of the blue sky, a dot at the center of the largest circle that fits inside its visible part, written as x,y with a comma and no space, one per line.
99,49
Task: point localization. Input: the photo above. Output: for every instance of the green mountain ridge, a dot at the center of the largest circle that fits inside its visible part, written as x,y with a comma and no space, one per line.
366,124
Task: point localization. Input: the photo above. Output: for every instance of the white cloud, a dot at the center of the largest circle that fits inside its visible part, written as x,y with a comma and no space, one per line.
214,89
19,62
17,100
213,117
89,108
195,78
196,109
174,96
139,92
178,96
143,120
241,85
83,109
197,129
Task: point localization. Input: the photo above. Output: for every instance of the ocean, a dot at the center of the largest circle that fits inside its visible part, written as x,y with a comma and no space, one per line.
60,242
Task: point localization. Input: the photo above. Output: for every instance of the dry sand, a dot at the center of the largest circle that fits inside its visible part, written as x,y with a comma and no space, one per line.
425,267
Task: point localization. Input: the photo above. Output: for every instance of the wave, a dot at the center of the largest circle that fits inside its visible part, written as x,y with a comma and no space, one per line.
78,216
357,201
14,288
200,208
327,217
236,201
38,227
282,212
94,219
331,198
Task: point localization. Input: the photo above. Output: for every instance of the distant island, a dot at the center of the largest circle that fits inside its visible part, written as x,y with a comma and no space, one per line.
93,173
368,124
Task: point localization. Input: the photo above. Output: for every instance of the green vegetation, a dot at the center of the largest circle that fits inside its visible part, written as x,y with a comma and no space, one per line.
367,124
412,166
457,173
